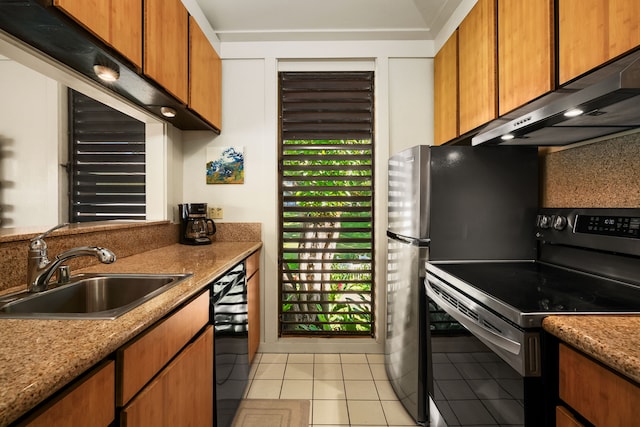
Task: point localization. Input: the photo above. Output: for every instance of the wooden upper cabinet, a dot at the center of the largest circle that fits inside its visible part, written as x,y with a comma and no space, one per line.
445,76
116,22
477,66
624,26
166,45
592,32
525,51
126,29
205,76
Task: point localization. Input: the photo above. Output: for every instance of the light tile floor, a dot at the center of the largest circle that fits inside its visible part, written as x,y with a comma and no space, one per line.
344,389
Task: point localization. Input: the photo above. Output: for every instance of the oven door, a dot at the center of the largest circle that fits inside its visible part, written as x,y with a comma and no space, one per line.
473,383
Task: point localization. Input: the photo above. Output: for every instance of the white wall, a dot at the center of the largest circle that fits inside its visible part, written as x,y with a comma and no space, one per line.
29,147
404,116
34,140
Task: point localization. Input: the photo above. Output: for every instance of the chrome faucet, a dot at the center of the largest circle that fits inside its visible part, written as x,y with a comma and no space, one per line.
40,269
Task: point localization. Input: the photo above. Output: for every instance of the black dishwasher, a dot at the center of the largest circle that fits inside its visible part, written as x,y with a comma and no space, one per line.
231,361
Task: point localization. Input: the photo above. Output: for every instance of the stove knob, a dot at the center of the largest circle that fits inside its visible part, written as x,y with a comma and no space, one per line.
544,221
559,222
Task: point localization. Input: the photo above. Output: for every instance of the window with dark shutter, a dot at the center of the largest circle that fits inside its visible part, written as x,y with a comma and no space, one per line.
106,162
326,256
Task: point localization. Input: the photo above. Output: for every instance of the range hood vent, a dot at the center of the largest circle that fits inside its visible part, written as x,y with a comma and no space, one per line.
603,103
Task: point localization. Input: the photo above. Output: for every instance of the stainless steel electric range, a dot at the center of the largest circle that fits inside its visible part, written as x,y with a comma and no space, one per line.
487,362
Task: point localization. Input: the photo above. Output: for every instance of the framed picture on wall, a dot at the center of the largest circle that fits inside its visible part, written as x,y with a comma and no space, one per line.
225,165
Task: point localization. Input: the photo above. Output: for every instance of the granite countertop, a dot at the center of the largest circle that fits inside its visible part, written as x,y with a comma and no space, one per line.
39,357
613,340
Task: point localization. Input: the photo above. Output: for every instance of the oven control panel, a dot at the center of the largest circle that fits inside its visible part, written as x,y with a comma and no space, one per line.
620,226
607,225
615,230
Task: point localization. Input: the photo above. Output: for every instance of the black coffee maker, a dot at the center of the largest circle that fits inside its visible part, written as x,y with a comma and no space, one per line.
195,227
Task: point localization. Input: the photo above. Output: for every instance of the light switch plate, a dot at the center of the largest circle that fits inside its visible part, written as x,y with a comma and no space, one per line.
215,212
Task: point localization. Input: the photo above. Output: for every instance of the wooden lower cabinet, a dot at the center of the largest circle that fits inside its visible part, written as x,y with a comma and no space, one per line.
182,394
253,302
143,358
598,394
253,309
88,402
564,418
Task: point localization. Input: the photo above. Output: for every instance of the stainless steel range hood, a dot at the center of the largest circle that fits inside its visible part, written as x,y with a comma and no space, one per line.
609,100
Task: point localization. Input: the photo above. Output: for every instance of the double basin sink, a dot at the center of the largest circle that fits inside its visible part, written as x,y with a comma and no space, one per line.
89,296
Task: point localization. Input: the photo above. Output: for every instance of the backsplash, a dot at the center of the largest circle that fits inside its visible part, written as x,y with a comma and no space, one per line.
604,174
122,239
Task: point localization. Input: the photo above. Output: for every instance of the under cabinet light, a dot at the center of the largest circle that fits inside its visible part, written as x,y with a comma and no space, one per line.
573,112
507,137
106,73
168,112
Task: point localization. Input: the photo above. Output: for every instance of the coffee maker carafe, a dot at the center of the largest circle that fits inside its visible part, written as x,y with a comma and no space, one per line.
195,227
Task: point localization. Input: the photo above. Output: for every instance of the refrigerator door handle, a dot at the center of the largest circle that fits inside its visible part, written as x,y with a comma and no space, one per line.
409,240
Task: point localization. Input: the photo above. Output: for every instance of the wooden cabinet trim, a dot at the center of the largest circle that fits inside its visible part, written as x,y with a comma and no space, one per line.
252,263
598,394
141,359
89,401
564,418
253,314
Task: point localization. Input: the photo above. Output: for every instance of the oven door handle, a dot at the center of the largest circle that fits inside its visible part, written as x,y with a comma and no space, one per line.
499,341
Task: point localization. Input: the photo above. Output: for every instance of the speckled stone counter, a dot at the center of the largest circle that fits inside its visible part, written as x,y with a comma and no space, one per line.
38,357
613,340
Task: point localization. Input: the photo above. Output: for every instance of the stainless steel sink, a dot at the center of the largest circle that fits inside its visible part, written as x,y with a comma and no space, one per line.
89,296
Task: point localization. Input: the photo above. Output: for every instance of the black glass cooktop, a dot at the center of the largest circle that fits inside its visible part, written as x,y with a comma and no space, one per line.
532,287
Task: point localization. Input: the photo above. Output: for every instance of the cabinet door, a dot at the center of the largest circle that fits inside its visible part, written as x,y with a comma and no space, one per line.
140,360
592,32
624,26
525,51
445,91
126,29
182,394
94,15
116,22
205,76
166,45
582,36
565,419
477,66
598,394
89,402
253,313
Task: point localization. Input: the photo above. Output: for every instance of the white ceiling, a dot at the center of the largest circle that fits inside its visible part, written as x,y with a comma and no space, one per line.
327,20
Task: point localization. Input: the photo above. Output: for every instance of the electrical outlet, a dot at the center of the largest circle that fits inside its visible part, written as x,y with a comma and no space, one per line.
214,212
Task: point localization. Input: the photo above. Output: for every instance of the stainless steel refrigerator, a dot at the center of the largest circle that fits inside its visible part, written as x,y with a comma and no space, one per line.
448,203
